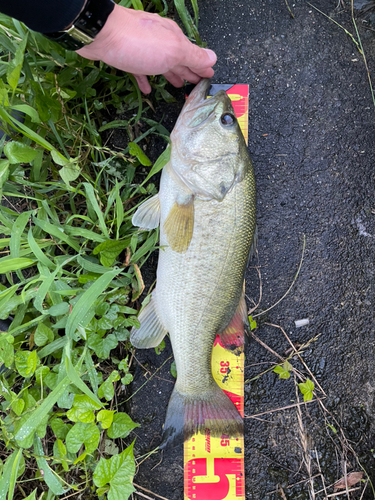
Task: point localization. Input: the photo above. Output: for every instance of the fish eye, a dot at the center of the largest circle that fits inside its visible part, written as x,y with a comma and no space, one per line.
227,119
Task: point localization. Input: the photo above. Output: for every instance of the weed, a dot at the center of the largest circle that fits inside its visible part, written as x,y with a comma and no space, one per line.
70,264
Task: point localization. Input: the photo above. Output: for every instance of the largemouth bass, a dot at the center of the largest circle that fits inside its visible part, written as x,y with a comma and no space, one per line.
206,212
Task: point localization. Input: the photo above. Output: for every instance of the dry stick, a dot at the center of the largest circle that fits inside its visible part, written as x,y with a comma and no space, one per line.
291,286
282,408
143,495
260,292
300,358
306,455
331,495
364,489
321,474
148,491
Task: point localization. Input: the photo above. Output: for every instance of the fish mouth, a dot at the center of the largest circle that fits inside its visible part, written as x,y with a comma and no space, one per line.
198,110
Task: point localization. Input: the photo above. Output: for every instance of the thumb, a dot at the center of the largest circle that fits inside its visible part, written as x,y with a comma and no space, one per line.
196,57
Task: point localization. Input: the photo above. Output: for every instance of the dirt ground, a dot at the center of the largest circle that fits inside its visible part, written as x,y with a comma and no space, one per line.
311,137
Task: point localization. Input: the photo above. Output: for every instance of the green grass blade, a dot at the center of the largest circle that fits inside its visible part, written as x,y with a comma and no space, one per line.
7,471
37,415
49,477
13,475
42,258
17,231
92,198
8,265
57,232
87,300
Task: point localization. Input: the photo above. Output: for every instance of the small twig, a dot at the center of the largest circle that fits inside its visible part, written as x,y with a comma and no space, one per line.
331,495
266,347
291,286
299,357
280,491
143,495
260,292
148,491
364,489
290,10
281,409
320,471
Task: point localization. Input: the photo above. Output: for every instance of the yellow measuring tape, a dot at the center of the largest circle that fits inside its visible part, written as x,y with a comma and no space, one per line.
214,466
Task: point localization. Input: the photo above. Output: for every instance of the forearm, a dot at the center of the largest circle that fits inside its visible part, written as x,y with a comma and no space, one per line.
45,16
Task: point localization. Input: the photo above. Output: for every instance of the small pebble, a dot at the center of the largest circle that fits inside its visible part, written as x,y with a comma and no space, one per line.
302,322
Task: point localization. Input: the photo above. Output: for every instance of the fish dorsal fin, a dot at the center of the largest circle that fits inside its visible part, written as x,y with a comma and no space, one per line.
151,332
147,215
179,224
234,334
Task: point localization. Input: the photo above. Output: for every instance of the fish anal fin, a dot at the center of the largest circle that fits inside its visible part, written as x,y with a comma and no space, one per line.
253,248
151,332
147,216
179,224
233,335
187,416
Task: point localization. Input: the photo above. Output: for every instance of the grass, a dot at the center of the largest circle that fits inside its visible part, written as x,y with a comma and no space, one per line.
70,263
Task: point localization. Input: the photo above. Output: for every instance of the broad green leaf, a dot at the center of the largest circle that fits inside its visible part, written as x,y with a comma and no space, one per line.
59,428
173,369
92,267
49,477
121,426
43,335
137,4
136,151
102,346
17,406
109,250
37,415
307,389
26,362
15,65
59,309
187,20
83,409
79,434
6,351
87,300
9,265
18,152
70,172
118,472
283,370
105,417
106,390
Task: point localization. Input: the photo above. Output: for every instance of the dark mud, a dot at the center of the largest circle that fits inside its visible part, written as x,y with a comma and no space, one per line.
311,137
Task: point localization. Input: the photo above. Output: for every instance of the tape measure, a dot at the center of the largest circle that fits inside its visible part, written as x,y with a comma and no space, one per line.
214,466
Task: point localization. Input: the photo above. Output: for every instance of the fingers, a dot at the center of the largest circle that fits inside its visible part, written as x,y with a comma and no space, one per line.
174,79
196,57
143,83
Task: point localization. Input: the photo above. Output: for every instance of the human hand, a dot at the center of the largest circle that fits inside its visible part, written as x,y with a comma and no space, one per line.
148,44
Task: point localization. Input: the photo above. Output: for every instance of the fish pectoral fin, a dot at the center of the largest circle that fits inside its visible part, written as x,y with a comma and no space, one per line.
147,215
179,224
234,334
151,332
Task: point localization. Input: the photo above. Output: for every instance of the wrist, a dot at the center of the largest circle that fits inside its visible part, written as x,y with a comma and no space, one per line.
86,27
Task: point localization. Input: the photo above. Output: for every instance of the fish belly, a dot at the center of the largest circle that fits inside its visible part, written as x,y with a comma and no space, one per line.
198,291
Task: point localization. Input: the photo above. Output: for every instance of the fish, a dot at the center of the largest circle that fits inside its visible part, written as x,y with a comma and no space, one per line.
206,212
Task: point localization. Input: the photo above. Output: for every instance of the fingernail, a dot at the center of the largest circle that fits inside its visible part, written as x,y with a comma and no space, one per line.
212,56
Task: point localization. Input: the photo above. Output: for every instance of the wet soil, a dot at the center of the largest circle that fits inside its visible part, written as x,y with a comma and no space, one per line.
311,137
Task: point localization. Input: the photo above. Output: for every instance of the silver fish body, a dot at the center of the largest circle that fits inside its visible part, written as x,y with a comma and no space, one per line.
206,212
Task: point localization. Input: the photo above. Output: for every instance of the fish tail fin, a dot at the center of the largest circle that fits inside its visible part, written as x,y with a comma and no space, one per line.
187,415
